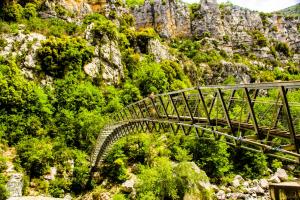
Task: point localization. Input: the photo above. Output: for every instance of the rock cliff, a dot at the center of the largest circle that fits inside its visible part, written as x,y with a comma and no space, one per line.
172,18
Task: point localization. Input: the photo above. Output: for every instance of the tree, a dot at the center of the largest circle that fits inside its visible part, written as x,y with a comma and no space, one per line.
149,77
58,56
35,155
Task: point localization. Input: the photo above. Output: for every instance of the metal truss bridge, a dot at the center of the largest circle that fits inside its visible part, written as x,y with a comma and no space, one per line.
263,117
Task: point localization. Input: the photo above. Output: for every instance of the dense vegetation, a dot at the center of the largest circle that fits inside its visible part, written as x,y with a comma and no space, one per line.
56,124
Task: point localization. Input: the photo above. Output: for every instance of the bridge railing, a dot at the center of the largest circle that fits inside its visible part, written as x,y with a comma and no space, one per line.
262,113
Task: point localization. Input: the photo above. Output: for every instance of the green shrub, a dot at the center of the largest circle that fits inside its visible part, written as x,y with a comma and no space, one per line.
61,55
133,3
58,187
226,38
157,181
259,38
3,164
213,157
119,197
130,94
283,48
4,194
12,12
30,11
150,78
35,155
3,43
249,164
104,27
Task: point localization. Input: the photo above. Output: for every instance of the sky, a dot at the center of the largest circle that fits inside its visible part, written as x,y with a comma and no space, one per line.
259,5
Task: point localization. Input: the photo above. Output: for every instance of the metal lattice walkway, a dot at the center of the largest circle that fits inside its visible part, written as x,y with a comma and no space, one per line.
262,117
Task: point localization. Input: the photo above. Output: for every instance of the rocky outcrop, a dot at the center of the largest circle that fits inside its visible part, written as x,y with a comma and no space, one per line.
159,51
15,185
107,61
170,18
74,7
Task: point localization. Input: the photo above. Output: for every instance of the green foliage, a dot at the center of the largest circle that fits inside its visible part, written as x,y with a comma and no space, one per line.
276,164
283,48
4,194
101,27
3,43
249,164
157,181
35,155
150,78
259,38
164,181
133,3
25,105
264,18
61,55
81,171
119,197
52,27
213,157
130,94
12,12
58,187
30,11
194,10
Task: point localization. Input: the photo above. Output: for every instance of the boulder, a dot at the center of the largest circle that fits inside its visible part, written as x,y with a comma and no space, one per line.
128,186
264,183
274,179
221,195
281,174
237,181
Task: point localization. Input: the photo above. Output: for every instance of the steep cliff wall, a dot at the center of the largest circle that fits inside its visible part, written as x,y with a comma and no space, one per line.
172,18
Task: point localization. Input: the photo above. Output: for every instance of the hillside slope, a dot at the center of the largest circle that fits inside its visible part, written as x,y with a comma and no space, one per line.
66,65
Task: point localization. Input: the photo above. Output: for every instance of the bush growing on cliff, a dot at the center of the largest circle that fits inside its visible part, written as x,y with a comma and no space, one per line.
259,39
35,155
150,78
30,11
12,12
58,56
283,48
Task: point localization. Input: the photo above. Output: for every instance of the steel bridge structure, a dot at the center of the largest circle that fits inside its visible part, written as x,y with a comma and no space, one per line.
262,117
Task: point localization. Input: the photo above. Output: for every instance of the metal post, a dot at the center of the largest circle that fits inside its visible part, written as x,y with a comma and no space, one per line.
289,118
188,107
250,105
225,111
154,106
204,106
174,106
254,97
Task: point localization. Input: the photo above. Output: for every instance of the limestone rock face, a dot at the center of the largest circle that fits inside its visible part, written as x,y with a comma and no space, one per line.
77,7
159,51
107,61
15,185
207,19
170,18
